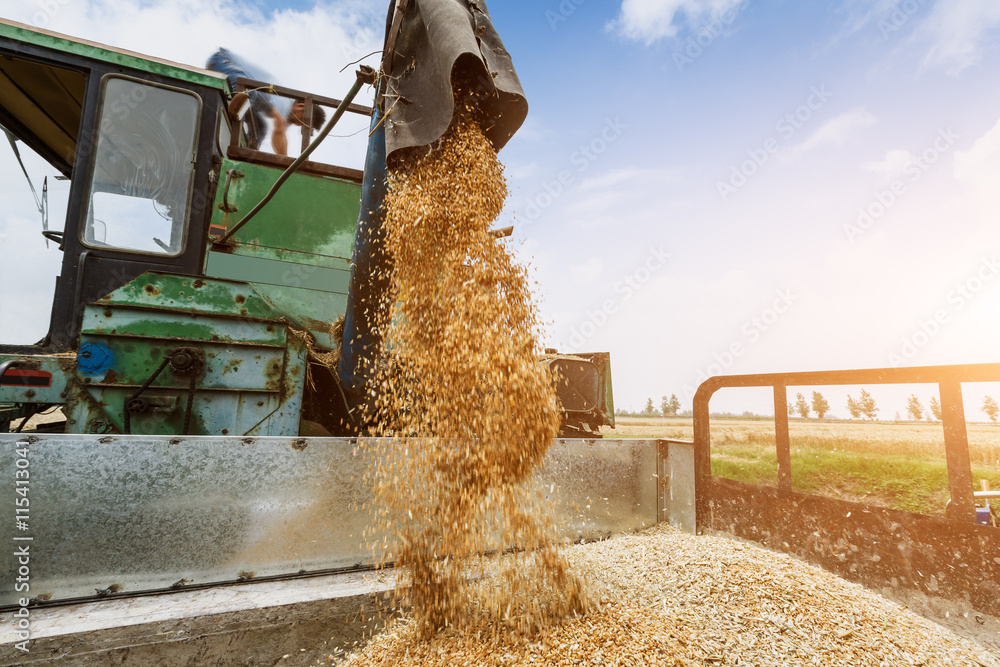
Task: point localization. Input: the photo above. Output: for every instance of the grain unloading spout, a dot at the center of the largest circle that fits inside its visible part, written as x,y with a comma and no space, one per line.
432,48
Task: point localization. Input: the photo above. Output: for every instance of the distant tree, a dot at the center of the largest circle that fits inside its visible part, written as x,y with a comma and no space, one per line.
649,409
914,408
675,404
867,405
935,408
991,409
801,406
820,406
791,409
854,407
665,406
897,416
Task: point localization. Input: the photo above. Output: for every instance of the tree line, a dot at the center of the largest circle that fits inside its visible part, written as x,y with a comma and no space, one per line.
669,407
862,407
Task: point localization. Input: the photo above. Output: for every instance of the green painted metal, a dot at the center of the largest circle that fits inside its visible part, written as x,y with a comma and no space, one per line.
295,254
298,305
252,381
132,363
66,44
203,295
169,325
316,215
603,362
307,260
310,297
261,270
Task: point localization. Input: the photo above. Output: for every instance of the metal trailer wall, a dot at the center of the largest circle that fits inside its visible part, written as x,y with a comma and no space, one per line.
109,515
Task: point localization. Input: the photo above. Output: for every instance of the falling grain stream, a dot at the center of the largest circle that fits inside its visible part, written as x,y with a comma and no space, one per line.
466,414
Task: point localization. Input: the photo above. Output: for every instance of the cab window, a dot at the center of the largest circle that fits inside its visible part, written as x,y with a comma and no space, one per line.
143,170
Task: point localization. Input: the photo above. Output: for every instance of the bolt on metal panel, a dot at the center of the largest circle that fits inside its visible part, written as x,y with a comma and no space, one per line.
126,514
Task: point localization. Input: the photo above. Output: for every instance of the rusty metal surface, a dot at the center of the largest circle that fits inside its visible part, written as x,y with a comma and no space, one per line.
882,549
243,83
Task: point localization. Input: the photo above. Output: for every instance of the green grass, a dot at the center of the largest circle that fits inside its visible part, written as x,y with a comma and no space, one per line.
904,482
901,466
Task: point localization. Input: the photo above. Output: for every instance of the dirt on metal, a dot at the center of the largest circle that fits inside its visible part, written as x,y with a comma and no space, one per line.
465,412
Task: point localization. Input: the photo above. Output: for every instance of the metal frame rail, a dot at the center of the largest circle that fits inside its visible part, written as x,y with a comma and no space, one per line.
948,378
243,84
907,556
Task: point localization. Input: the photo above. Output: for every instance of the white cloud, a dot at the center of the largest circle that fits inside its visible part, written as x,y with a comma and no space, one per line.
303,49
980,165
858,14
957,31
948,33
892,164
835,131
650,20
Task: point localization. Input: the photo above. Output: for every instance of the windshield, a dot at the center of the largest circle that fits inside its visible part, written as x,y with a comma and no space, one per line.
146,148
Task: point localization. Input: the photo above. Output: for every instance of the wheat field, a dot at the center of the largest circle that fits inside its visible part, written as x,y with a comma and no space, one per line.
896,465
863,437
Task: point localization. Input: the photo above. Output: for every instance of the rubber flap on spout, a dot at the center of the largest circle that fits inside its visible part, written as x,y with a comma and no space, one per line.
440,44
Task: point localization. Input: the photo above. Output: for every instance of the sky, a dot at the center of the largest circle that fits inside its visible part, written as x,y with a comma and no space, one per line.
702,187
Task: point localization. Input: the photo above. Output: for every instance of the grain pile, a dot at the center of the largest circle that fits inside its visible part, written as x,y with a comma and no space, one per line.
464,410
667,598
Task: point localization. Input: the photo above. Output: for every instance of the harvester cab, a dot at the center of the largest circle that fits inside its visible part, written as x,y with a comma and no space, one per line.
172,313
153,330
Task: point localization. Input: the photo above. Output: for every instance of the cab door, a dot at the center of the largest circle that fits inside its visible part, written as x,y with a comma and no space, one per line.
135,209
140,151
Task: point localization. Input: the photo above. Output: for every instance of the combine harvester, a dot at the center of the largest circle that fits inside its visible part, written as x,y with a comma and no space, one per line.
203,490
